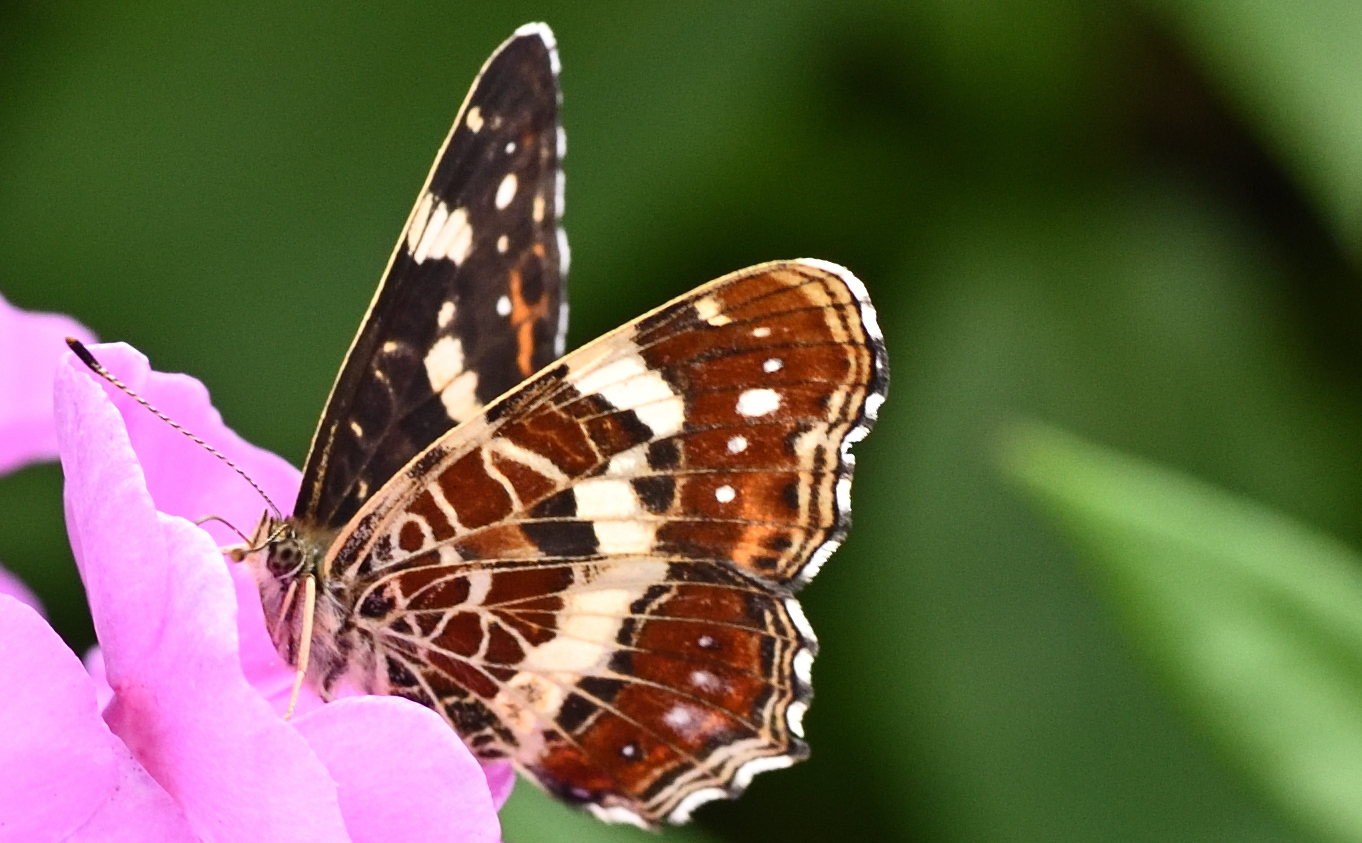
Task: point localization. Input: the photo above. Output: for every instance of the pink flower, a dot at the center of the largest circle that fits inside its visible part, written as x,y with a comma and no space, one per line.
30,344
12,586
191,744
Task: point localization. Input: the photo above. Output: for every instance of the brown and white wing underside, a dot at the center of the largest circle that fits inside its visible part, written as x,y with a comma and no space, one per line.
595,577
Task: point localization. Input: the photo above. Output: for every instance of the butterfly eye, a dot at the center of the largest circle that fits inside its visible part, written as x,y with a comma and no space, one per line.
283,557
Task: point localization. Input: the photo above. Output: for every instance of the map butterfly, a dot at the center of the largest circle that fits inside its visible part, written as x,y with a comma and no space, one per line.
585,563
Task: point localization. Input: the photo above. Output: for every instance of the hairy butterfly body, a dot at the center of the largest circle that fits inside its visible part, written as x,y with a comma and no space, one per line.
586,566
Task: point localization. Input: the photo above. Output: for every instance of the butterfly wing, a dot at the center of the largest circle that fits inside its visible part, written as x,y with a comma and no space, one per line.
473,299
595,576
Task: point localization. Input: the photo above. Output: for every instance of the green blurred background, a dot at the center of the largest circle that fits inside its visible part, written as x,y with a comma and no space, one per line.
1137,221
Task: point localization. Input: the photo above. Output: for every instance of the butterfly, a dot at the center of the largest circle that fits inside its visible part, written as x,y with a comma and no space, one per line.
585,563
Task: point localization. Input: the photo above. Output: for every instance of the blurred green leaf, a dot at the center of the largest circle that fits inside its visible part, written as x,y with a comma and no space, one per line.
1254,618
1297,70
532,816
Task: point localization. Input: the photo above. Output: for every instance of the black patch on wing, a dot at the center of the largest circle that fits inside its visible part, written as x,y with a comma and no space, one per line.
383,410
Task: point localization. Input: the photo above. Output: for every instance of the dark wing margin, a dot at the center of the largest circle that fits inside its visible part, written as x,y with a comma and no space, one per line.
473,299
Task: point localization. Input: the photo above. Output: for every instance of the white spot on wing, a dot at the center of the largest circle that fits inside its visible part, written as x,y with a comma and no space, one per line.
503,306
775,364
724,494
456,387
705,680
460,398
708,309
456,238
630,462
758,402
435,232
761,332
737,444
624,537
444,362
503,243
505,191
474,119
446,314
434,228
590,620
510,147
794,716
537,209
679,717
604,498
356,429
628,384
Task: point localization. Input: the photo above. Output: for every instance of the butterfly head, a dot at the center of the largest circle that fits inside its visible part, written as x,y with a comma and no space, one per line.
283,554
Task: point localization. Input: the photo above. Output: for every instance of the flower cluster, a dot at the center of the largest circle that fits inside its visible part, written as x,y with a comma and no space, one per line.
174,731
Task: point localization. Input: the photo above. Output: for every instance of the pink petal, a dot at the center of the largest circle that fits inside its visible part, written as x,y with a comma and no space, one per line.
49,728
164,609
14,587
500,781
186,480
30,345
192,483
387,790
94,665
138,810
67,775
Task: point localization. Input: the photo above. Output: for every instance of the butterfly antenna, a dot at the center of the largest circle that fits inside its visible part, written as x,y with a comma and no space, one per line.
228,524
94,365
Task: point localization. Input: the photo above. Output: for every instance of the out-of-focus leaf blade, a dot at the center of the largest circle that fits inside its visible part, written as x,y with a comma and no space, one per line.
1296,70
1254,619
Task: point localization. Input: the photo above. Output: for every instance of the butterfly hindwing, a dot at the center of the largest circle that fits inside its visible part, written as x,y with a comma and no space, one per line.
594,576
473,299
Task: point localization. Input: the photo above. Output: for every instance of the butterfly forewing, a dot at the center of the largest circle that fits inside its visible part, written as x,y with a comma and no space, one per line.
593,577
473,298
